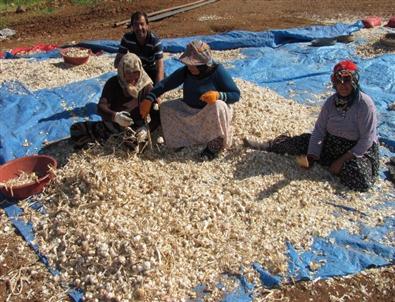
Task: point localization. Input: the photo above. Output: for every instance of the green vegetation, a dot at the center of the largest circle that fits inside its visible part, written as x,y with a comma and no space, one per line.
84,2
3,23
47,10
11,5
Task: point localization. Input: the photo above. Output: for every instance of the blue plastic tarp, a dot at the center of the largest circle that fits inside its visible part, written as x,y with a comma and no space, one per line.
242,39
30,118
295,70
282,60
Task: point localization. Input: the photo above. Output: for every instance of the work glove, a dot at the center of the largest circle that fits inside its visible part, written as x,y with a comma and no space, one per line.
210,97
145,108
123,119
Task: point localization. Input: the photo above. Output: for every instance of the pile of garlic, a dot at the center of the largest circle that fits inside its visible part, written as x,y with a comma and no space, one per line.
152,227
75,52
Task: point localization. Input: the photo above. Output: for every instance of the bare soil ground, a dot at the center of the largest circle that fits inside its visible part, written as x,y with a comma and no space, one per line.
61,22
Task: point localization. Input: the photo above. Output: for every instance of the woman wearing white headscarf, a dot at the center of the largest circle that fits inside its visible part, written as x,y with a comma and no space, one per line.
118,105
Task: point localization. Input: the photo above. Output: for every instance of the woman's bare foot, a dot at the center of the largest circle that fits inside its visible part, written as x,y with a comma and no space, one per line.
254,144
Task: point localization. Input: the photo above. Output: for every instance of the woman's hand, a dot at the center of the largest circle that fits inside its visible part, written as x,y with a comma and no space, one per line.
336,166
145,108
123,119
210,97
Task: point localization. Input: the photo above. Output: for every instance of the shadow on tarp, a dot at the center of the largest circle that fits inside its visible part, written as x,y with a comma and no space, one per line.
28,119
85,111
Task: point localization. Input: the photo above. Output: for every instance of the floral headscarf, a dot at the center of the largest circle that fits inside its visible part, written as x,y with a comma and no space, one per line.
197,53
343,71
131,63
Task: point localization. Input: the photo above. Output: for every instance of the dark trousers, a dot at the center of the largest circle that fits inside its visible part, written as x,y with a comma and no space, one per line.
358,173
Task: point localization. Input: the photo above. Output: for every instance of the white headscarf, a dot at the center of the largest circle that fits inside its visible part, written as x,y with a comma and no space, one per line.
131,63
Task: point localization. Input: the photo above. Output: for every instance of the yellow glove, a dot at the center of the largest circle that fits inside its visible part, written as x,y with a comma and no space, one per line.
145,108
210,97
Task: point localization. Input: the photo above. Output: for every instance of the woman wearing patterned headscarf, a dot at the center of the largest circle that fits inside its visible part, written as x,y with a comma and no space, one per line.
344,137
203,116
119,105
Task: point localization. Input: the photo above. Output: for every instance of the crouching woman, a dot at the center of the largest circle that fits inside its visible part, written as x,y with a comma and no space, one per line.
203,115
119,105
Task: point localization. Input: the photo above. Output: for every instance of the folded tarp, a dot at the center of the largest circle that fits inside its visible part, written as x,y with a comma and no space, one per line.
229,40
242,39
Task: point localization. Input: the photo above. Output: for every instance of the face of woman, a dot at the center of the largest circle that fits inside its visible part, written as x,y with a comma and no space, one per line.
193,69
345,88
132,77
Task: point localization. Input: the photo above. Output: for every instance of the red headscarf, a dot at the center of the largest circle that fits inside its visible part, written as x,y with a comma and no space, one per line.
345,65
344,69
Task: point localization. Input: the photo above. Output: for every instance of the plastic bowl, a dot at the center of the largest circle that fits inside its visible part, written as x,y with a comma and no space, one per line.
39,164
75,60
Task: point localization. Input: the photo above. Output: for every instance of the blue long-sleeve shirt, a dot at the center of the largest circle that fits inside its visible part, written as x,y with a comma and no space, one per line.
359,124
193,86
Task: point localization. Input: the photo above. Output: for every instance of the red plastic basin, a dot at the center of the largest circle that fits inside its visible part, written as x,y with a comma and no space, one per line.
74,60
39,164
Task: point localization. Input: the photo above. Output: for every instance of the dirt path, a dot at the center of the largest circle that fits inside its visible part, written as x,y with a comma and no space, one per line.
62,23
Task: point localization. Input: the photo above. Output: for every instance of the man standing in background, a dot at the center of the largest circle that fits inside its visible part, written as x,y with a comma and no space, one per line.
145,44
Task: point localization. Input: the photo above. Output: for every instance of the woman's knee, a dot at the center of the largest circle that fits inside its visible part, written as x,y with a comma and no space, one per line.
357,177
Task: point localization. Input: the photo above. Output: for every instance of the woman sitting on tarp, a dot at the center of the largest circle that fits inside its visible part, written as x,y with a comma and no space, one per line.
119,105
203,115
344,137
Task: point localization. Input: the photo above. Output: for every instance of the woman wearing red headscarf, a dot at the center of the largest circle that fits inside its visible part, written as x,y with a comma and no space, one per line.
344,137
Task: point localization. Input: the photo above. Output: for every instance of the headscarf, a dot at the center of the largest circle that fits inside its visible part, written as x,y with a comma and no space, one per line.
346,70
131,63
197,53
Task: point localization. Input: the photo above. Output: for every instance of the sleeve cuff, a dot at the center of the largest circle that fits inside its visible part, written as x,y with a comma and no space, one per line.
356,153
314,151
151,97
223,96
